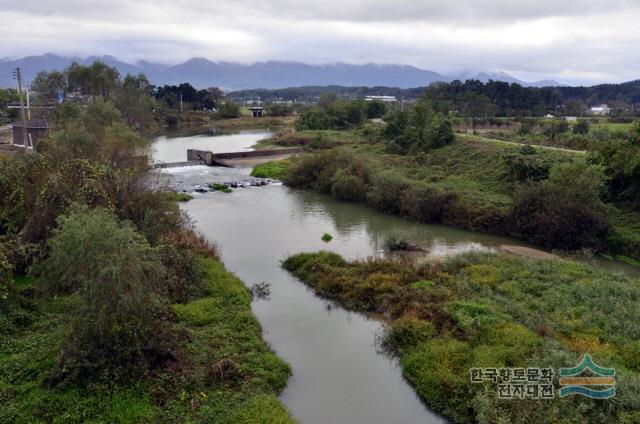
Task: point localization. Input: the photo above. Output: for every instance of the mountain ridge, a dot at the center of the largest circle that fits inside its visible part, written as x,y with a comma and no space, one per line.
202,73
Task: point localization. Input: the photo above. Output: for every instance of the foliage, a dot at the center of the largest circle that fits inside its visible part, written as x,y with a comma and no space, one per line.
486,310
582,127
118,327
228,109
220,187
326,237
418,130
564,211
527,165
275,170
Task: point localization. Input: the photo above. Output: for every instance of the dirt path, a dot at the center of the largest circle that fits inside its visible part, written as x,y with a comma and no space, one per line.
481,139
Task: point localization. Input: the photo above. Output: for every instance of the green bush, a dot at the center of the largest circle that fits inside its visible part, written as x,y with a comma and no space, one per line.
183,277
119,328
228,109
563,212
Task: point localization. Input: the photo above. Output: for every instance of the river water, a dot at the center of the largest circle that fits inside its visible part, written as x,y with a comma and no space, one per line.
339,376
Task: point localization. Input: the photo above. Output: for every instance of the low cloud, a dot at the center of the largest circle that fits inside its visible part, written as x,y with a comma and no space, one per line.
573,41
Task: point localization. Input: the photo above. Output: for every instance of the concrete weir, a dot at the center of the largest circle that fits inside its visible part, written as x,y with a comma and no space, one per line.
239,159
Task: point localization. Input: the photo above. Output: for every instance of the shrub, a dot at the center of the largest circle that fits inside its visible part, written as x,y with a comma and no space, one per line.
386,191
183,277
228,109
562,212
118,328
582,127
424,203
526,165
314,119
326,237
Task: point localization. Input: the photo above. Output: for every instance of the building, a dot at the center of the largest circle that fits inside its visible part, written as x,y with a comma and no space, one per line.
37,129
385,99
256,111
570,118
602,109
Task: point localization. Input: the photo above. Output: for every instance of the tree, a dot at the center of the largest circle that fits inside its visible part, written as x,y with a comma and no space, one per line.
376,109
134,100
476,106
49,87
418,130
118,328
97,79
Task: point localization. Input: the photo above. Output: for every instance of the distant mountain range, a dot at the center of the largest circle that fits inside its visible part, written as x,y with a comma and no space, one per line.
203,73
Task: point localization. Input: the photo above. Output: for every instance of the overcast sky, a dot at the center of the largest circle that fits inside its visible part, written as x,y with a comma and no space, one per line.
572,41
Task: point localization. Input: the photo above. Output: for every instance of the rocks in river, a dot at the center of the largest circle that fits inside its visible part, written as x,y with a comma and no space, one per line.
226,187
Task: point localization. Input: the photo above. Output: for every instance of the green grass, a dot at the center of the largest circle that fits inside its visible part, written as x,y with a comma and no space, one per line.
220,187
181,197
487,310
275,170
221,334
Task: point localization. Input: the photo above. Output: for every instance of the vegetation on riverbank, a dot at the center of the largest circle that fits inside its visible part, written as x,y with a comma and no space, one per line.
493,311
112,309
553,198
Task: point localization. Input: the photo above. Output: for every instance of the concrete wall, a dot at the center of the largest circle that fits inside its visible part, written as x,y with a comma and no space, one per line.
211,159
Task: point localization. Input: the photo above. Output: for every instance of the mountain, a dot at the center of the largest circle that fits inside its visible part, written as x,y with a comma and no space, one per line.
502,76
202,73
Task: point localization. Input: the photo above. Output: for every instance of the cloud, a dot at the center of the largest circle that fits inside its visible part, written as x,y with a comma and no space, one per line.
576,41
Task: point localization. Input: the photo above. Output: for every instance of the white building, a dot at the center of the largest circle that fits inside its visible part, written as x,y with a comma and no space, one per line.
600,110
385,99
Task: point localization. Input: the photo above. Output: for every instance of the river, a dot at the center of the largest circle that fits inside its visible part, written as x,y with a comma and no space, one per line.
339,376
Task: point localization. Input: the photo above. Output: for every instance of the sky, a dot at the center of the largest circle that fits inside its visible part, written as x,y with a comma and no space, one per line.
571,41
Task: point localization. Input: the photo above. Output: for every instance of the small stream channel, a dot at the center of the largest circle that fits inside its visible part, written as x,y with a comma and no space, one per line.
339,376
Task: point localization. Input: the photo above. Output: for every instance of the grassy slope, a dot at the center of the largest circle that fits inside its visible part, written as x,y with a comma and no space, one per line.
230,375
484,310
472,168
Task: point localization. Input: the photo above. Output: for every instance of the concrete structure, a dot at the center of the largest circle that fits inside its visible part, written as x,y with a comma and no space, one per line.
219,159
36,130
256,111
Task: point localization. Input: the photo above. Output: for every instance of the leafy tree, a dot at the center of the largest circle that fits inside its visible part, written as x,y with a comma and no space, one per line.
418,130
97,79
118,328
314,119
49,87
376,109
476,106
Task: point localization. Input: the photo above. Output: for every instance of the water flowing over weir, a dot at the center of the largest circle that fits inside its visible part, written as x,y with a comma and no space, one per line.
339,376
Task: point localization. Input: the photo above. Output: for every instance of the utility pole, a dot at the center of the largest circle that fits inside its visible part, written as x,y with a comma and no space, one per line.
18,76
28,105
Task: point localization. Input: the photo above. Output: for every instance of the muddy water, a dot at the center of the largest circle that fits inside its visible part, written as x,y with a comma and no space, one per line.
338,374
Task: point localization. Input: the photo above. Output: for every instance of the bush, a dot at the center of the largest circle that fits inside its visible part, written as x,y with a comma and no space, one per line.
386,191
526,165
424,203
314,119
182,280
228,109
562,212
582,127
418,130
119,328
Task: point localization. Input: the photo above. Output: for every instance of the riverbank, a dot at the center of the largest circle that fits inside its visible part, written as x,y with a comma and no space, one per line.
470,184
483,310
229,374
